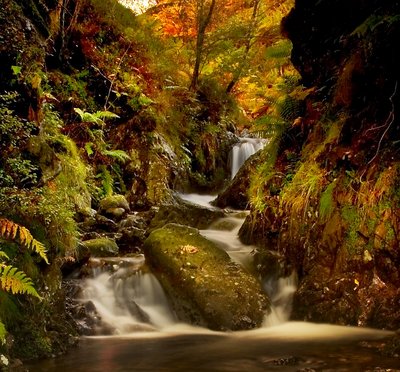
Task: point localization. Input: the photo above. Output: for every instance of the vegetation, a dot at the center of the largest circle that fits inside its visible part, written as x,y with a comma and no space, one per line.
97,100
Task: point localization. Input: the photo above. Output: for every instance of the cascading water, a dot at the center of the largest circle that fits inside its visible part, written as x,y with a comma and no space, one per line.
126,297
242,151
130,302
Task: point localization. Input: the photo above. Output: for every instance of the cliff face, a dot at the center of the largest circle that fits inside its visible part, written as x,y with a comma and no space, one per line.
334,213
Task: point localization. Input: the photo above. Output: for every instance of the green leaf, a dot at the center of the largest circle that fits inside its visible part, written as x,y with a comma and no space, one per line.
89,148
16,70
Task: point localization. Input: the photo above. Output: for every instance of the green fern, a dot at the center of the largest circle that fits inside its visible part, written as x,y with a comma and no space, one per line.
97,117
14,281
280,50
120,155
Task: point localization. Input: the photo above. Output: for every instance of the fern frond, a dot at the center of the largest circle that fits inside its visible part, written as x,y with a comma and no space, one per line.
105,115
281,49
96,118
10,230
120,155
14,281
3,255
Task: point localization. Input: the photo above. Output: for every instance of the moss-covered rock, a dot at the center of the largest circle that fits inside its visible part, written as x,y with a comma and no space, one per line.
101,247
204,286
112,202
185,213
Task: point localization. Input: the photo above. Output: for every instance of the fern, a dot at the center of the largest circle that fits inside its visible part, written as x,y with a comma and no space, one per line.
96,117
14,281
11,230
120,155
280,50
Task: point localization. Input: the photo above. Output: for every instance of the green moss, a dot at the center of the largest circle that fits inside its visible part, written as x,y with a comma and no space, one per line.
326,203
191,269
102,247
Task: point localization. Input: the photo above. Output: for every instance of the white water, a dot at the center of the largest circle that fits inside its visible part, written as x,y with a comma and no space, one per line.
127,299
242,151
224,233
177,347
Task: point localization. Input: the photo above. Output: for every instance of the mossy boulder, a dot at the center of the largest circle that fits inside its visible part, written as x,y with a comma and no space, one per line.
101,247
112,202
185,213
204,285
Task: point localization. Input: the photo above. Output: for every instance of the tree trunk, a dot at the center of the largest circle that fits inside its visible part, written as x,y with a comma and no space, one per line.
238,72
202,22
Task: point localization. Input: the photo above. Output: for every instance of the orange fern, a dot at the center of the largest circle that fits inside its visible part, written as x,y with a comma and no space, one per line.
10,230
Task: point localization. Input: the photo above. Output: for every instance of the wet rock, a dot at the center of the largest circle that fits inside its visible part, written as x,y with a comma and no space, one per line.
115,214
102,247
105,223
113,201
205,287
235,195
185,213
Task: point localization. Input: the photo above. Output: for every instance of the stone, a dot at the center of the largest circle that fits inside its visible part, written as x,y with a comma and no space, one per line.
204,285
102,247
113,201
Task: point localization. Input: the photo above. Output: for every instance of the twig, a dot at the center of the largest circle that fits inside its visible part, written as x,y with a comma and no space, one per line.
113,79
389,123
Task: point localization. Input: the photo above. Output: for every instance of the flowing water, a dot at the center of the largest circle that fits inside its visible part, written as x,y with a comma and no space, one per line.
147,337
243,150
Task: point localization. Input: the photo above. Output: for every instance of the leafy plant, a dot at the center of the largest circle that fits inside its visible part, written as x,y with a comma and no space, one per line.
326,203
11,279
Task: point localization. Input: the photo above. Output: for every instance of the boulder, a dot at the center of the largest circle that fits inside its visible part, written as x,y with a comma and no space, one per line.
101,247
235,195
186,213
112,202
205,287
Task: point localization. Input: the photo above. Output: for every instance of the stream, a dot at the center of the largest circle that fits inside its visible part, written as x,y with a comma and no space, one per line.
144,334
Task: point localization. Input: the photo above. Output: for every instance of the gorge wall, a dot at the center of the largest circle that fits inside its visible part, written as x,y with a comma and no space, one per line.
331,193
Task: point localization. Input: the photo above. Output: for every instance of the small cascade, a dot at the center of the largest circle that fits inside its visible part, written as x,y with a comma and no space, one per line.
125,297
281,293
224,233
242,151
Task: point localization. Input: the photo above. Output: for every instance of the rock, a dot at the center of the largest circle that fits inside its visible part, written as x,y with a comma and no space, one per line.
204,286
105,223
131,238
113,201
102,247
185,213
235,195
115,213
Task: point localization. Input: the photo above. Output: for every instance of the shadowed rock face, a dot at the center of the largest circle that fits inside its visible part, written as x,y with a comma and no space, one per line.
204,286
348,260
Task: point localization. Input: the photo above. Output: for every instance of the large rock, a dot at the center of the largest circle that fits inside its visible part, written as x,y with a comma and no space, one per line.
185,213
101,247
204,286
235,195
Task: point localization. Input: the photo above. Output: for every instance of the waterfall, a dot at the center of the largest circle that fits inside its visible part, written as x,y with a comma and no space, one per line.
281,293
126,297
242,151
123,297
